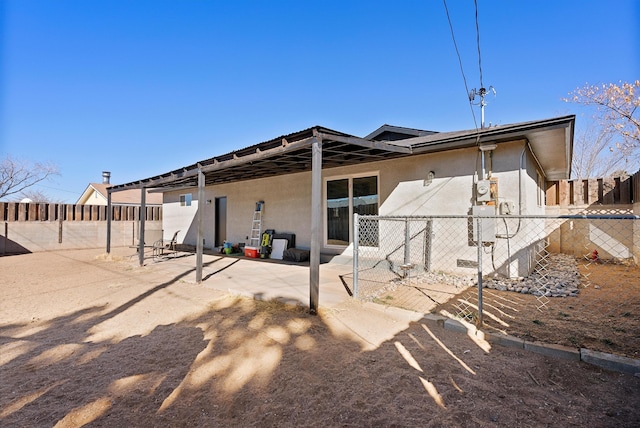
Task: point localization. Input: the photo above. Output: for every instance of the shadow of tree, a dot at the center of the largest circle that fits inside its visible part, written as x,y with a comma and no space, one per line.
245,362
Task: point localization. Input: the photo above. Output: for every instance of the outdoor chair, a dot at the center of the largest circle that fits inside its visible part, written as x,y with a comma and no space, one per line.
163,247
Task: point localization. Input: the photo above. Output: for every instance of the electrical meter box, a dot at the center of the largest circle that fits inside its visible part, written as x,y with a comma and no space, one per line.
483,191
486,215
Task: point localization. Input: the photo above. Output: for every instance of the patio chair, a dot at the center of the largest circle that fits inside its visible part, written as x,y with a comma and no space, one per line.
162,246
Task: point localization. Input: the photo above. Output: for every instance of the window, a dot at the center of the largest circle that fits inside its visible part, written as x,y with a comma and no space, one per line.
185,200
344,197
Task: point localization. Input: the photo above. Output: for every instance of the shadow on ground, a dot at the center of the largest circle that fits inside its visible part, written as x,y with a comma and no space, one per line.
246,362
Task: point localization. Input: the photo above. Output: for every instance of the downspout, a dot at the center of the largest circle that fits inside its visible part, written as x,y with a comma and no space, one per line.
507,236
522,166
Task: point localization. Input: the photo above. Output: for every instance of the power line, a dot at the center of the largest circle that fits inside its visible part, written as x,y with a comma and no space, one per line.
478,41
482,92
466,87
56,188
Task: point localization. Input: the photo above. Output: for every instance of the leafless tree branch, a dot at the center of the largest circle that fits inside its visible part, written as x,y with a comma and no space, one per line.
618,121
18,175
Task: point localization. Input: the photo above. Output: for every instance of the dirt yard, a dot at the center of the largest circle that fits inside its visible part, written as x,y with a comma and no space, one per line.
96,342
605,316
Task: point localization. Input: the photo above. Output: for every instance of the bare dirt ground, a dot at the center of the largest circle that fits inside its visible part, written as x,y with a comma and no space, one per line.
605,316
96,342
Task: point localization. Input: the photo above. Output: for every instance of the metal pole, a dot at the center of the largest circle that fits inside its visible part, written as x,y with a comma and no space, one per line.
142,218
407,242
6,238
316,215
356,243
200,243
479,238
109,215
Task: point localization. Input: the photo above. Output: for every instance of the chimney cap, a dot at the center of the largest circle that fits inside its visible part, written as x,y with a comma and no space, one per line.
106,175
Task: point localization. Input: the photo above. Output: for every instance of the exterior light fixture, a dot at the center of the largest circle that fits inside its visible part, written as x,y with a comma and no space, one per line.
430,176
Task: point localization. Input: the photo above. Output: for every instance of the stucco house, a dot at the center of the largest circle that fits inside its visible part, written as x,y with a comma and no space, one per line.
96,194
312,181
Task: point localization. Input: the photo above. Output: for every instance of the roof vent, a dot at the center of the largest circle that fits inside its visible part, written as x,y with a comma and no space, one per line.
106,176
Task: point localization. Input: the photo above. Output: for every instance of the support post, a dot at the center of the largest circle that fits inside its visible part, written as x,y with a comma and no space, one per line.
200,243
6,238
479,239
316,214
109,217
407,242
141,220
356,244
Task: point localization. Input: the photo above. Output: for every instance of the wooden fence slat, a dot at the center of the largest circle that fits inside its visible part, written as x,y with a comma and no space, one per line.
51,216
32,212
13,212
578,192
563,194
607,191
22,212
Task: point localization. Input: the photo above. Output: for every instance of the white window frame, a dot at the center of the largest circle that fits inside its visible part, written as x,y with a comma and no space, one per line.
350,177
185,199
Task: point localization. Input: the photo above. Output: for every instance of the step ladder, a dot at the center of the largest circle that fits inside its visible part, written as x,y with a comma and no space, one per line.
256,226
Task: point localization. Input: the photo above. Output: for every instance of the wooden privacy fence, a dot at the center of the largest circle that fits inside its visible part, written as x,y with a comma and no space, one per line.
592,191
18,211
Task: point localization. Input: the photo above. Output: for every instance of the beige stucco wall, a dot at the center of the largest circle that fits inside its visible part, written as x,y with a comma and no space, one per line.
94,198
287,209
33,236
612,238
402,191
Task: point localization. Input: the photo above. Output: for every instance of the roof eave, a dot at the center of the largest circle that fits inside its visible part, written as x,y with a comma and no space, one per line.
543,136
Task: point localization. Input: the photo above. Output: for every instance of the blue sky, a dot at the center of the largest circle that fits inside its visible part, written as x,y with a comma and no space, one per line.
141,87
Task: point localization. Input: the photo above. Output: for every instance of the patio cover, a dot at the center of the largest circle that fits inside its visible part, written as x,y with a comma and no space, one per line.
318,148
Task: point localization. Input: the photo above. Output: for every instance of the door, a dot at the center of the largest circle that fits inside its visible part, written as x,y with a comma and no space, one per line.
220,221
345,196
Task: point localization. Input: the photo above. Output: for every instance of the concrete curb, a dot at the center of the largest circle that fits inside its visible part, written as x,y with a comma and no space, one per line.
551,350
611,362
600,359
596,358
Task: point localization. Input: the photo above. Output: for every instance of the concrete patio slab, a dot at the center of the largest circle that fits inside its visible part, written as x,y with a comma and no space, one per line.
256,278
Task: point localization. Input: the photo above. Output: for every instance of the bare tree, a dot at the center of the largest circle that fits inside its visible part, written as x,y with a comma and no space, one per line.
613,139
33,195
16,176
595,154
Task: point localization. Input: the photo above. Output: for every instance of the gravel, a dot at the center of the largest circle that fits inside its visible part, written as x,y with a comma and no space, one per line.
556,276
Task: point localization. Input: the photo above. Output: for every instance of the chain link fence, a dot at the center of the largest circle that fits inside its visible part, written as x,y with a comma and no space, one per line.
538,266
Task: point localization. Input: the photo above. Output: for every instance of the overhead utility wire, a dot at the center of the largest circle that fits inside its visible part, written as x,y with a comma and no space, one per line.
478,39
466,87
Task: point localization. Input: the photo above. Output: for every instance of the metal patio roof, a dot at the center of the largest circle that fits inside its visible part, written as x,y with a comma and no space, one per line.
551,141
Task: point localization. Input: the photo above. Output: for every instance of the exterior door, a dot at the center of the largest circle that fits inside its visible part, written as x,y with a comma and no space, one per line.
220,221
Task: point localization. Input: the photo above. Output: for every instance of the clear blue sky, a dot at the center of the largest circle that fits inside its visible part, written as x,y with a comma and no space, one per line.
140,87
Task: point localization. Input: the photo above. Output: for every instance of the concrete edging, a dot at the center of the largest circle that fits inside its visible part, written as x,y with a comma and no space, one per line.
611,362
601,359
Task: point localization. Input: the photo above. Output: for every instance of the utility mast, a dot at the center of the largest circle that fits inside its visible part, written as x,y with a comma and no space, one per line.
482,92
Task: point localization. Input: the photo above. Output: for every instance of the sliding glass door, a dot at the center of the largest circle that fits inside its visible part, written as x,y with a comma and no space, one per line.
344,197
